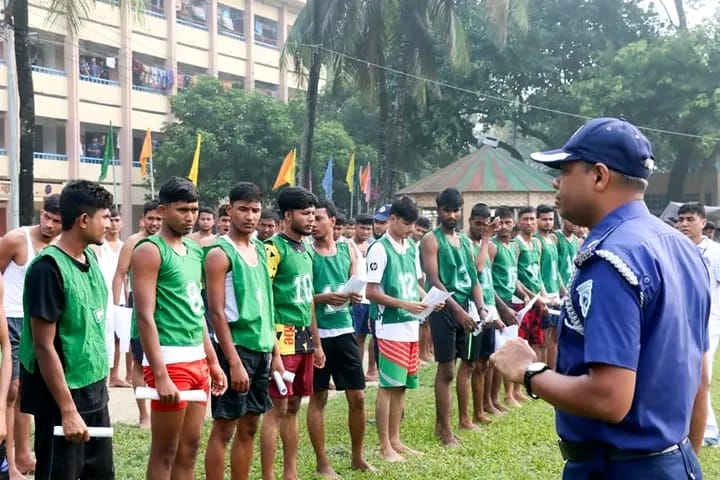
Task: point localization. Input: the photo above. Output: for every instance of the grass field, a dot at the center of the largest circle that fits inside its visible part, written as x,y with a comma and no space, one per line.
520,445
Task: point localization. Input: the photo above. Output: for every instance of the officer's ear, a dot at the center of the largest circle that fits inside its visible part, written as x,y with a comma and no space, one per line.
602,175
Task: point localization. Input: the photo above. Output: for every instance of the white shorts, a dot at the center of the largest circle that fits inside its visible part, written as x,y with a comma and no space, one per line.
117,324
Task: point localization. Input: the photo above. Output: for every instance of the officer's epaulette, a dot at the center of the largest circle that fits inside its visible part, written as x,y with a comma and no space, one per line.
586,253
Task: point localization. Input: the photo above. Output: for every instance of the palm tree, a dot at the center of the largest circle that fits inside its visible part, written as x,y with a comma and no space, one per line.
72,14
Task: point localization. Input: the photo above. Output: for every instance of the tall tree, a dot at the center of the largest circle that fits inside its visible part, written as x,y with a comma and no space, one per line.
71,14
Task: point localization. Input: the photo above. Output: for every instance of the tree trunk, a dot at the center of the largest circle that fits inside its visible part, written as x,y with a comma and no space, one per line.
396,128
679,171
385,173
312,95
682,18
26,95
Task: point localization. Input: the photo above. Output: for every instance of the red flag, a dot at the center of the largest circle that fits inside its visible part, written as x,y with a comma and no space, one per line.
366,183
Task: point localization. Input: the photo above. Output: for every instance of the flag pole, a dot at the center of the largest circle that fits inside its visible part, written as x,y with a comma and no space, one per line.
114,181
152,179
352,199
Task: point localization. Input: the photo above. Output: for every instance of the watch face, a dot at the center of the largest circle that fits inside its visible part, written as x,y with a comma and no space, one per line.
536,366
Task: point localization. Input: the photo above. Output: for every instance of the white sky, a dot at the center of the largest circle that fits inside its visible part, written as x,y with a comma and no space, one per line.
696,12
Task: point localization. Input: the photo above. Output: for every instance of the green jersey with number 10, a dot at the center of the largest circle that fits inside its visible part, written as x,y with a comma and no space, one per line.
293,284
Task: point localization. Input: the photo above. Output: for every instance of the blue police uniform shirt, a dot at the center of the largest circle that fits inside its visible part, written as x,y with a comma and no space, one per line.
639,300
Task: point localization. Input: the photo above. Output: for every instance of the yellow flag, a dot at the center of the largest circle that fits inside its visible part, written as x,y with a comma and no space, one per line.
286,175
193,175
145,153
350,177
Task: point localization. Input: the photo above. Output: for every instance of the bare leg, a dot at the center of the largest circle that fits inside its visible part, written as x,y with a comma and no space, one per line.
316,431
443,379
382,416
495,391
139,381
425,341
397,405
268,437
462,386
289,434
12,409
356,425
166,428
220,435
241,453
24,460
129,367
115,380
372,371
189,443
478,393
551,340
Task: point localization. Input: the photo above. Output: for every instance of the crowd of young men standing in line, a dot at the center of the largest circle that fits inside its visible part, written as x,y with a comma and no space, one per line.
274,306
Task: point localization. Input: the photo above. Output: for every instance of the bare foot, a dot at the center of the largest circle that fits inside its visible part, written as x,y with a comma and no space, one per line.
327,472
14,474
500,406
482,419
391,455
144,423
402,448
520,397
467,425
511,402
119,382
24,463
363,466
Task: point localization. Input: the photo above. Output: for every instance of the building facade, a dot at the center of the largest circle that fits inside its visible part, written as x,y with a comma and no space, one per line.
123,68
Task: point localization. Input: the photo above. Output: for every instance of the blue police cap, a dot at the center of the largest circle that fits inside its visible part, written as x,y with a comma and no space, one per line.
612,141
382,214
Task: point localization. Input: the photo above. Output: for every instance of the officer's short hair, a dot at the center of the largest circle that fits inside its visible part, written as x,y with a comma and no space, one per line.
691,208
504,212
526,210
480,210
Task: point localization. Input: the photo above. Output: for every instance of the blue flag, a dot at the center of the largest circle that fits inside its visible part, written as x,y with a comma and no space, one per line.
327,182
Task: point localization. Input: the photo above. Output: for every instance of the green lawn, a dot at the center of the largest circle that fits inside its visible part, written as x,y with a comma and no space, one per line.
520,445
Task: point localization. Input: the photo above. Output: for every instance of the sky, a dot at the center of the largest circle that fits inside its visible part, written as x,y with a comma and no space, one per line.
696,11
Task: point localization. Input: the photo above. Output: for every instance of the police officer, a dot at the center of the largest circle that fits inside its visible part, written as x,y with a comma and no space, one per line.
633,332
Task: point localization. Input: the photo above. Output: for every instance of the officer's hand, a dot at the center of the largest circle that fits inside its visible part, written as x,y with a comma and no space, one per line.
239,379
218,378
513,359
74,428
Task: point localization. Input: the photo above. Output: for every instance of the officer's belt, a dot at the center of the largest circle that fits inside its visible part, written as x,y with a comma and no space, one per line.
589,451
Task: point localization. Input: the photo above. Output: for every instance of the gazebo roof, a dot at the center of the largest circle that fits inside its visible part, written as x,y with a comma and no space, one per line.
487,169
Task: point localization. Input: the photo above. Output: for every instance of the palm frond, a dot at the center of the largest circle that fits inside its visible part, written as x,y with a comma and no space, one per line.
72,14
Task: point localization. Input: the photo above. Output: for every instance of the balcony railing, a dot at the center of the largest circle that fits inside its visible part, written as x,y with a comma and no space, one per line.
142,88
228,33
60,157
266,42
98,161
154,13
101,81
3,151
49,71
192,24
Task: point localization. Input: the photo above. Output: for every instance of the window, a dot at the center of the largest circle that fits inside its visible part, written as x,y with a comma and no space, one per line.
266,32
230,20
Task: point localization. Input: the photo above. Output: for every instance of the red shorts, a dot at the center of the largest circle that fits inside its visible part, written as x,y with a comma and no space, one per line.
301,364
186,376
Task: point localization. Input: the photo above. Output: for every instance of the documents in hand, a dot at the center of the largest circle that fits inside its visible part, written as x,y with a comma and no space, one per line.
354,286
433,298
507,333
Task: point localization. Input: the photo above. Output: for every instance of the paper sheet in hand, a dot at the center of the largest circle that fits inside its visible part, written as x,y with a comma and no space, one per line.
353,286
508,333
433,298
519,315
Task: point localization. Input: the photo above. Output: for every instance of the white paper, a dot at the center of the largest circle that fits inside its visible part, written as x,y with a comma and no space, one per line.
507,333
96,432
519,316
147,393
280,383
433,298
353,286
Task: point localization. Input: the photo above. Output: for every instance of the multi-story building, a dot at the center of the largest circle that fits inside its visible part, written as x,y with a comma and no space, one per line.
123,68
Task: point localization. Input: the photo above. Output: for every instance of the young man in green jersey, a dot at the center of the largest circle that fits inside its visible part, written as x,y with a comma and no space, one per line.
63,354
552,281
241,310
167,271
393,275
568,245
291,270
508,287
448,261
333,264
482,344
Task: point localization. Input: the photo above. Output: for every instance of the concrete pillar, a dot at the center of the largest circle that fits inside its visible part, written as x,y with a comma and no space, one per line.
249,44
171,61
213,43
72,127
124,133
282,38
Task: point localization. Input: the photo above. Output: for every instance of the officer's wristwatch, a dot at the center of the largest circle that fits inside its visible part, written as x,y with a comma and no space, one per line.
532,370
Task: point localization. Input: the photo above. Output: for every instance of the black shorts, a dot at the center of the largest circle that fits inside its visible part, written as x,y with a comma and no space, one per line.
58,459
342,363
137,350
482,345
450,340
232,404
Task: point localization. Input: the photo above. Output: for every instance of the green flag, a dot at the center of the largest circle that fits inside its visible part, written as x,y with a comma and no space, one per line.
108,154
